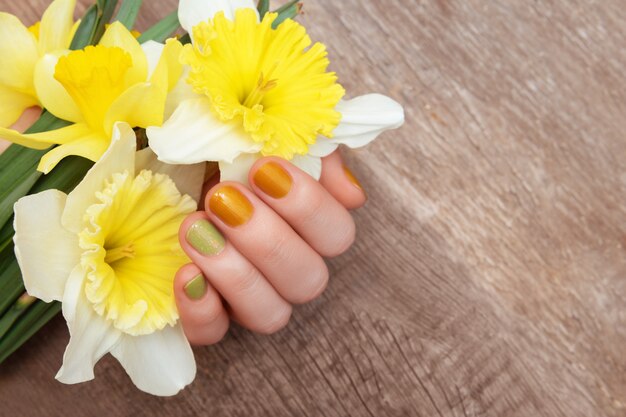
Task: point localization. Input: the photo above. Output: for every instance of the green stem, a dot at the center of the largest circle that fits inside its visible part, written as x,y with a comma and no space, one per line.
162,30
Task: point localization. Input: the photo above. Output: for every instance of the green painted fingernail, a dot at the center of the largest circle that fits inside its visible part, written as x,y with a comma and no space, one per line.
196,288
205,238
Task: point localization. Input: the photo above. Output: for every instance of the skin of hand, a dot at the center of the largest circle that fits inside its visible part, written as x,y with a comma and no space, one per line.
258,250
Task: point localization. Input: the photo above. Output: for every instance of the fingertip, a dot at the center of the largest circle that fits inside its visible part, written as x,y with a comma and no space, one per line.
200,307
341,182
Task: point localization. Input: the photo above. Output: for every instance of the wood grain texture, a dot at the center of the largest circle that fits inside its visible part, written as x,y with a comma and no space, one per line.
489,276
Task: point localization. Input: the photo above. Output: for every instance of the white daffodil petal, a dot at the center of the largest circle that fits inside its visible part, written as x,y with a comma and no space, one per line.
12,105
239,168
182,91
91,337
322,147
192,12
160,363
312,165
366,117
51,93
193,134
45,251
19,48
188,178
57,25
118,158
153,51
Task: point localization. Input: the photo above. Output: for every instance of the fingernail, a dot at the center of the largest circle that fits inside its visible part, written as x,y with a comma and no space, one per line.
196,287
352,178
231,206
273,180
205,238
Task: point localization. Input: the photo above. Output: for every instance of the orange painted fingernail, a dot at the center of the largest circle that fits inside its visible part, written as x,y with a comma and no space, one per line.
273,180
352,178
231,206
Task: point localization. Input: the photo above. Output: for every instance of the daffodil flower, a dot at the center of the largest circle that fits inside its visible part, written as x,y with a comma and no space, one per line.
114,81
109,252
21,48
258,91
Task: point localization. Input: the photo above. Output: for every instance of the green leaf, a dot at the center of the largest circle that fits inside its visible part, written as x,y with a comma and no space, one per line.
287,6
11,285
26,326
6,234
85,31
18,167
105,13
127,14
15,312
287,11
162,30
263,7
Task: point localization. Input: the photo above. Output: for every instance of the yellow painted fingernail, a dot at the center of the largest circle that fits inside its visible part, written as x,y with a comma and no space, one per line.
231,206
352,178
273,180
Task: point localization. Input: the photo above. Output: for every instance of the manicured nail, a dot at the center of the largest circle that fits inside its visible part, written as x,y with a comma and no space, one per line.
231,206
196,287
273,180
352,178
205,238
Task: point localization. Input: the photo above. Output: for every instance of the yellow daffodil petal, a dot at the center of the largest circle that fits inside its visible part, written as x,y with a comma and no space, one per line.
117,35
51,93
18,49
12,105
43,140
94,78
57,23
271,81
91,147
140,106
169,68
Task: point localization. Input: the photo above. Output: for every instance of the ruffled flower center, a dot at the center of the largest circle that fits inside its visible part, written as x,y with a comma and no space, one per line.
272,80
131,251
94,78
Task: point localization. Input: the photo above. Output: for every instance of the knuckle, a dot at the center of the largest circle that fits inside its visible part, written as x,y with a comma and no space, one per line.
277,251
311,207
342,240
208,336
245,280
277,322
208,315
318,282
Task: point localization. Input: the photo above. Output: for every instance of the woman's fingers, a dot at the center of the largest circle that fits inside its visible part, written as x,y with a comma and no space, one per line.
341,182
251,299
305,204
202,314
295,270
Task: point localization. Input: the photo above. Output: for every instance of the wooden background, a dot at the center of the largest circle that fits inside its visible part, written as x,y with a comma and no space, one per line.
489,276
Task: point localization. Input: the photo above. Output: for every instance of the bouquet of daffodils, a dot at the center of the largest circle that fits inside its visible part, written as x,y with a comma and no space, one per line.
92,195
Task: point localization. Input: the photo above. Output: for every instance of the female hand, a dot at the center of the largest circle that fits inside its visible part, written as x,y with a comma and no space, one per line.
257,251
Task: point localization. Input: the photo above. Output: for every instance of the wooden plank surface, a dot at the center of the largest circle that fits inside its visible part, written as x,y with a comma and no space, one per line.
489,275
